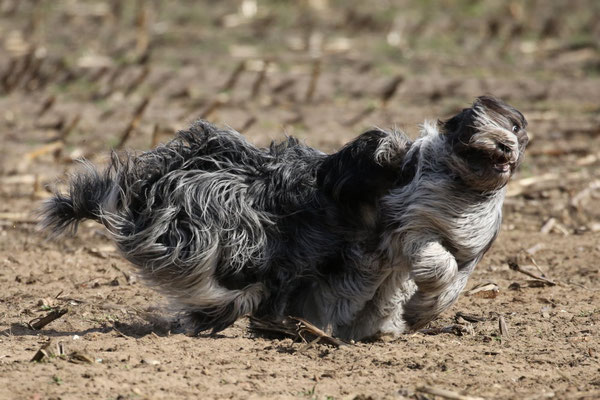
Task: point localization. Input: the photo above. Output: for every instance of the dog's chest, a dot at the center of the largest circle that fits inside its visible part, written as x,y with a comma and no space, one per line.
470,233
467,223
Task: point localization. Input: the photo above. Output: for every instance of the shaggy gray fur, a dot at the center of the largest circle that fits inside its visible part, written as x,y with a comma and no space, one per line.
378,238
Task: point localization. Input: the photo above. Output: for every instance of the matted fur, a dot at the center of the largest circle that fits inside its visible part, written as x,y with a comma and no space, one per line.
377,238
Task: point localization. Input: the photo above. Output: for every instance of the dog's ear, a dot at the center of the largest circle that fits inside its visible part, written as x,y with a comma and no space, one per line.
453,124
364,169
460,127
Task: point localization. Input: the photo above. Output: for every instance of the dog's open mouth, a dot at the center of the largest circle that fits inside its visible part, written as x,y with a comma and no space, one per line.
484,162
501,164
502,167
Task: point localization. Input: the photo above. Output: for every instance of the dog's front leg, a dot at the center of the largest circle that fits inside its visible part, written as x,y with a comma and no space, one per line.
410,296
438,278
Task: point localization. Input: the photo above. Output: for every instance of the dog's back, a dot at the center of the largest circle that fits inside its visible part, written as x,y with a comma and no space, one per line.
224,228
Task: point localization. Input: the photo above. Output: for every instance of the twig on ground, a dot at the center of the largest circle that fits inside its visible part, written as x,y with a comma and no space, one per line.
7,75
390,89
295,328
581,195
262,74
360,116
235,75
133,124
247,124
470,317
159,131
488,290
67,129
24,218
283,328
39,323
25,179
530,257
283,85
49,148
135,83
548,225
142,37
79,357
502,327
309,345
314,77
516,267
455,329
48,350
120,333
305,326
46,105
447,394
542,182
535,248
214,105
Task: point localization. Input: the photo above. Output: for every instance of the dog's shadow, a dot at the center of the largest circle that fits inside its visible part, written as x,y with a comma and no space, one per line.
133,329
157,325
136,330
20,329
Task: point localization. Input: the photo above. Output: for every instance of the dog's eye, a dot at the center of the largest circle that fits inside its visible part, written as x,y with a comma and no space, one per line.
515,128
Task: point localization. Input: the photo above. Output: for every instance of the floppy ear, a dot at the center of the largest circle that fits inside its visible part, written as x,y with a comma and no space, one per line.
453,124
364,169
460,127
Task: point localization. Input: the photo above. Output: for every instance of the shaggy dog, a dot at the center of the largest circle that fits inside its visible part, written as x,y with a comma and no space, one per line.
378,238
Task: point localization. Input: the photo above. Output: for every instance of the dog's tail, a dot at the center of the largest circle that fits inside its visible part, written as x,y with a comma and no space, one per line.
88,192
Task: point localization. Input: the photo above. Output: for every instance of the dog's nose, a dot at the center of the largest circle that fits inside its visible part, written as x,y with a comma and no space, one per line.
504,148
506,152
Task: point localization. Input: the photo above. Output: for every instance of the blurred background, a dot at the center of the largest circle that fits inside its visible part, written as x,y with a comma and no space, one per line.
78,78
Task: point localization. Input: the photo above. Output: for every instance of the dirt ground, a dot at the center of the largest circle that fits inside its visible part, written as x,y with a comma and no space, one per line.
78,78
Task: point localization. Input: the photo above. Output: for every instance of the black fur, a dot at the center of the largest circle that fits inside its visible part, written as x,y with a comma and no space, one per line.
87,192
224,228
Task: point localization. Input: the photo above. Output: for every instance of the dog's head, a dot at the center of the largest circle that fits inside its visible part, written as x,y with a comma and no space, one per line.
487,142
